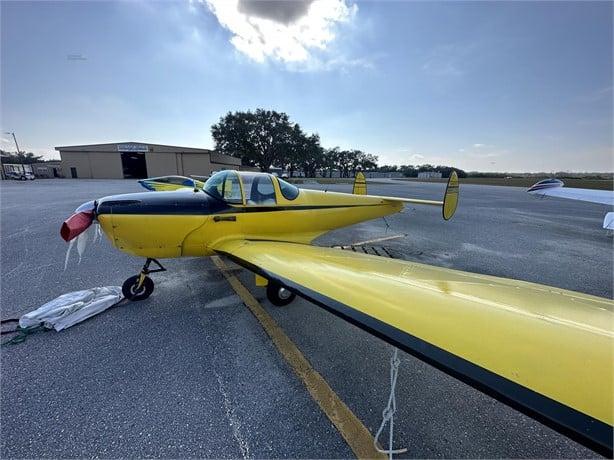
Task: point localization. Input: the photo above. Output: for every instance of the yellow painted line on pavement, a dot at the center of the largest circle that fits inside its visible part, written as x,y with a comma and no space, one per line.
349,426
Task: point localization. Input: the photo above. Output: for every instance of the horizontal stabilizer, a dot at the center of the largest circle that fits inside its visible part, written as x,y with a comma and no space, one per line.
449,203
170,183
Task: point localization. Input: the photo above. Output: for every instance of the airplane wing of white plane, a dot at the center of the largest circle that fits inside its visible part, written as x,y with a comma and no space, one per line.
555,188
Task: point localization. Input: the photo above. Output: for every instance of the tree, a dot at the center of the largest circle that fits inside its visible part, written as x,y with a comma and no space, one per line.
388,168
412,171
265,138
20,158
344,162
261,138
408,170
311,155
348,161
365,160
296,150
330,160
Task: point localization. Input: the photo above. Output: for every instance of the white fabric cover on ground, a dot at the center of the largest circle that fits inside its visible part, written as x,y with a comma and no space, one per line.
608,221
72,308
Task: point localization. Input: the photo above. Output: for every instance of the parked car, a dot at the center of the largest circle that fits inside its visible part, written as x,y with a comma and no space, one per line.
20,175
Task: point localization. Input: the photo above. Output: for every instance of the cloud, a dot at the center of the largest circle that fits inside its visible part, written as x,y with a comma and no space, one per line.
338,63
408,155
282,11
285,31
479,146
485,155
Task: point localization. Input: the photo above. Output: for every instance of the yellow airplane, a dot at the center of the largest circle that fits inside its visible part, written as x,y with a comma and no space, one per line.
544,351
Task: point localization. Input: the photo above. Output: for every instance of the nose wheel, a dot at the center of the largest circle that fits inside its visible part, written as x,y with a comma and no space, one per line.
136,289
140,286
279,295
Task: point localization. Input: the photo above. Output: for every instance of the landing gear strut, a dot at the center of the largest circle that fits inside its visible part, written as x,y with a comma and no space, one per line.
279,295
140,286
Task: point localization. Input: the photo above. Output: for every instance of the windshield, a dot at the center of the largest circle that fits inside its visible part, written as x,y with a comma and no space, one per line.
289,191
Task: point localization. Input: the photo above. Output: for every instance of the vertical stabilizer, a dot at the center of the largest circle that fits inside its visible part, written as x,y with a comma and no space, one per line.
360,184
450,199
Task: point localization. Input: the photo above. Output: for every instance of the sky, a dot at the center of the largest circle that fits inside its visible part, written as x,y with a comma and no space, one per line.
490,86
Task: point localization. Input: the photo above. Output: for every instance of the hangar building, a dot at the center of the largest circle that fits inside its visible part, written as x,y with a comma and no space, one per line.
136,160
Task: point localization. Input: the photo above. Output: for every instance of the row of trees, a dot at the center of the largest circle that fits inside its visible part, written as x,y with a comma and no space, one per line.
412,171
266,138
20,158
346,161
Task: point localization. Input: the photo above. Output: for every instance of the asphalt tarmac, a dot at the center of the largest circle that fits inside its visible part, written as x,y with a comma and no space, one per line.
189,372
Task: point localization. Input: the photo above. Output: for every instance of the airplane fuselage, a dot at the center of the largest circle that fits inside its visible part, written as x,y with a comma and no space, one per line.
188,223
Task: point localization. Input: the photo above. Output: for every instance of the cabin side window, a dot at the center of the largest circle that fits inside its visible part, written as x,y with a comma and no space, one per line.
258,189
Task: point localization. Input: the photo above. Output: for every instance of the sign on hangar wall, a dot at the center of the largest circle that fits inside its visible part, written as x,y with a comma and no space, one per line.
132,147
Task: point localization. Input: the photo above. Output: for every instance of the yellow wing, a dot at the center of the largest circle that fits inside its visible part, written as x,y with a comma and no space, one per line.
545,351
170,183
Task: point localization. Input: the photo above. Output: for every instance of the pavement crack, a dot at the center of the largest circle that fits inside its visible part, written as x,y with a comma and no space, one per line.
231,416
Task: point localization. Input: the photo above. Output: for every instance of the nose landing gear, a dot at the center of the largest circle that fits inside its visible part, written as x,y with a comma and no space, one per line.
140,286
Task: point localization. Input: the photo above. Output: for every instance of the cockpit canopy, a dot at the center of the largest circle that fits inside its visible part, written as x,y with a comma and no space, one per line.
553,182
545,184
248,188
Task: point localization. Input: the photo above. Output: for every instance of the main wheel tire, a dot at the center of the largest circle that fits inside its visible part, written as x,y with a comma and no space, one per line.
130,291
279,295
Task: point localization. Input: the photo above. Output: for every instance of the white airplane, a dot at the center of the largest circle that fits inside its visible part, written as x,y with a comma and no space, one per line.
555,187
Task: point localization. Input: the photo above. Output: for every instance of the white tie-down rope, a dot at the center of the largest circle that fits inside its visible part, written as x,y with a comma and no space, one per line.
391,408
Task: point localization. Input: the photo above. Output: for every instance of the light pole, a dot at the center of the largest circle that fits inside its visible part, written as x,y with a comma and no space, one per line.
23,169
2,174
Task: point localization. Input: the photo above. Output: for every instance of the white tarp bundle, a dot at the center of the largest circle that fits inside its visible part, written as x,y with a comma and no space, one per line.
72,308
608,221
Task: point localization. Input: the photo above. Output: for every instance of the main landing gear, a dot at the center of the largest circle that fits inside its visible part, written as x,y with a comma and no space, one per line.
279,295
140,286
